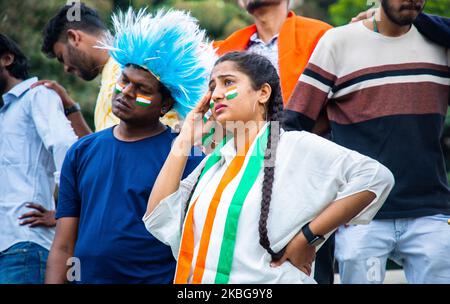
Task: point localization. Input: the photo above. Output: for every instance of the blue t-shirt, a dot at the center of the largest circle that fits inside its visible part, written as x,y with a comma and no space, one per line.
106,183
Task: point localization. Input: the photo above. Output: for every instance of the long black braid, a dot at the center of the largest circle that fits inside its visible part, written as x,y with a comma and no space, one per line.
261,71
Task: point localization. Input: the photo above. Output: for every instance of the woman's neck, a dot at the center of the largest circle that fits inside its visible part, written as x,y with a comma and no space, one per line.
245,133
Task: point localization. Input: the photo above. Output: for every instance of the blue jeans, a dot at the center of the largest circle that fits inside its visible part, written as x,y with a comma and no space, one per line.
421,245
23,263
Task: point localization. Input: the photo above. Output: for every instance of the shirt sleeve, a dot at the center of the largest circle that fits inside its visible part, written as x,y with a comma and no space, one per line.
166,221
312,90
435,28
69,201
358,173
52,125
337,172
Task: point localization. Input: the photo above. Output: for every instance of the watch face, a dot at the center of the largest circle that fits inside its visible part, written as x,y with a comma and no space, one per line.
317,240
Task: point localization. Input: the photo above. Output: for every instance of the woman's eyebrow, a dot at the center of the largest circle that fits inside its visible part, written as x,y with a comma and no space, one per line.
225,76
221,77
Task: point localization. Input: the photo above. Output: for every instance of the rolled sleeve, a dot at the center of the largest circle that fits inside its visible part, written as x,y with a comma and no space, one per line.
360,173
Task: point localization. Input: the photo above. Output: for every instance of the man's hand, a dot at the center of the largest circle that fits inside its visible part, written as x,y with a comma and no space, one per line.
365,15
299,253
59,89
38,217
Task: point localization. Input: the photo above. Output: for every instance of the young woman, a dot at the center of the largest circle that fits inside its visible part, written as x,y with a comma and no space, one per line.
256,209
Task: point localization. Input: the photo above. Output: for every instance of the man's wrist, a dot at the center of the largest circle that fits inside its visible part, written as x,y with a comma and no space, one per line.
75,107
68,102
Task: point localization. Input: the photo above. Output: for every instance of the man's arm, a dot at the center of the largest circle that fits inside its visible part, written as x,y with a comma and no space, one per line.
62,249
311,93
435,28
68,214
77,120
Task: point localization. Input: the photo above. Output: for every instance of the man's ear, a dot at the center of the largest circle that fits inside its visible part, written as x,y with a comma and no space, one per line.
167,104
74,37
264,93
7,59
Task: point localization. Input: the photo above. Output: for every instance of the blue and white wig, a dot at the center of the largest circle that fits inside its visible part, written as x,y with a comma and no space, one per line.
171,46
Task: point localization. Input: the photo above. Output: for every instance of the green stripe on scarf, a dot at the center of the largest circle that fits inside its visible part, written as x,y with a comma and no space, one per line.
247,181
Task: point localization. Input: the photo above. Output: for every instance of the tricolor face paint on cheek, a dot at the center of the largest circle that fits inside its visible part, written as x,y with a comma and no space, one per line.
231,93
141,100
119,88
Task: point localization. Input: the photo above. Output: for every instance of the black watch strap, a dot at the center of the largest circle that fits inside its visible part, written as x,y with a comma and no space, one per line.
75,108
310,236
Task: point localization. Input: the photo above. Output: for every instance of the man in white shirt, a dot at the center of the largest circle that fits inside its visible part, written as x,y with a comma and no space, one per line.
35,136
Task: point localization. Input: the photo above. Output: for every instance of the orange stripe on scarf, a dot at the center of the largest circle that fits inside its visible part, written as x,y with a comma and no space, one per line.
187,244
186,249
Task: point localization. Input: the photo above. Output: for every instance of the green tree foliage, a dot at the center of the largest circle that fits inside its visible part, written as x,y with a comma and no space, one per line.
219,17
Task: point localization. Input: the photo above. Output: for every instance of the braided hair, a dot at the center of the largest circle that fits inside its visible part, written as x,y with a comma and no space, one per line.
261,71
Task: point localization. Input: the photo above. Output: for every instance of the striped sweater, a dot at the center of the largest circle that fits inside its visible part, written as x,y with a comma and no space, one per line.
386,98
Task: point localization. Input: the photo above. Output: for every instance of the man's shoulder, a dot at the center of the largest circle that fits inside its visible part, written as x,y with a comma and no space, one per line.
316,24
44,93
41,98
342,34
85,142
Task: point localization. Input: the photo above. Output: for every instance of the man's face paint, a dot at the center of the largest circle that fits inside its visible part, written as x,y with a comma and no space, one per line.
231,93
141,100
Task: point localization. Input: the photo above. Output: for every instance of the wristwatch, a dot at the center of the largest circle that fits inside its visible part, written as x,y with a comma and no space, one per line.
75,108
313,239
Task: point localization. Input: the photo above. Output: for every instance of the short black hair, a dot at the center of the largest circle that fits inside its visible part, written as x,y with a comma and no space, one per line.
89,22
19,67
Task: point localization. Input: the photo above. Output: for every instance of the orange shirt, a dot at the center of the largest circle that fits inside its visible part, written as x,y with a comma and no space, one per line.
296,41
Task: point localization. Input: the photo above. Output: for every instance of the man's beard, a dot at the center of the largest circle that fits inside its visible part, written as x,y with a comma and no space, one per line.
84,65
391,13
256,4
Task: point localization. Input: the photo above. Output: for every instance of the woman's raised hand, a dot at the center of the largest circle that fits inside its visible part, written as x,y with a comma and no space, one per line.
194,127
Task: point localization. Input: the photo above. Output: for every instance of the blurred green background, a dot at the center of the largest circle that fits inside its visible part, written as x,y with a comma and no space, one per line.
23,21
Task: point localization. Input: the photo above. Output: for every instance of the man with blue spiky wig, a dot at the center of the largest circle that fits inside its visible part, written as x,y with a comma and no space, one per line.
107,177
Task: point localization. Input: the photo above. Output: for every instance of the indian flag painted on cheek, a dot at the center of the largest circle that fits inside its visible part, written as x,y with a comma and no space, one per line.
231,93
143,101
119,88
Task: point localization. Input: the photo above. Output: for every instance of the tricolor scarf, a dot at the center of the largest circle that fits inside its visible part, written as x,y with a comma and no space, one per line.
254,162
141,100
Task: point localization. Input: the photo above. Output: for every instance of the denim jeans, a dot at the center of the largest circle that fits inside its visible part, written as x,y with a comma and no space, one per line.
23,263
421,245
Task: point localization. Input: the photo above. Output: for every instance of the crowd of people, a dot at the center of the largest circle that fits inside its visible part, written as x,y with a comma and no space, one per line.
260,158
